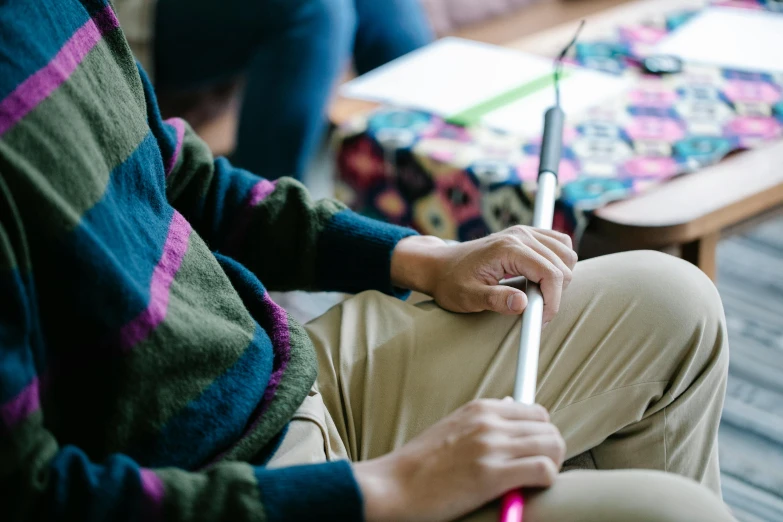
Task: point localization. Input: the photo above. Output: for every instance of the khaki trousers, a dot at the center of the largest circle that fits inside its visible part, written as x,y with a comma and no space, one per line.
632,369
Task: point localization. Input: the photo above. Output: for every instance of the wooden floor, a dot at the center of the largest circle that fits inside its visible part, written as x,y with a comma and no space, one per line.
750,282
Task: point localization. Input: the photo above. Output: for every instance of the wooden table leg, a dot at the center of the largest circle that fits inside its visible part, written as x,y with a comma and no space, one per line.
701,253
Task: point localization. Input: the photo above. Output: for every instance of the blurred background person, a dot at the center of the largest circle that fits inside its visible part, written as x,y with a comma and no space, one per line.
290,52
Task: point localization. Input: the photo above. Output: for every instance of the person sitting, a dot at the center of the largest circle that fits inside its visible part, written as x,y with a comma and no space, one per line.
291,54
146,374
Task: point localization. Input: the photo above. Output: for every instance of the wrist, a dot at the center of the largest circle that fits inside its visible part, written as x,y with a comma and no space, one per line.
416,261
382,493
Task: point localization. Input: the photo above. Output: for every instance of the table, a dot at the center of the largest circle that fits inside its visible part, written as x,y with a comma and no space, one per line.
686,214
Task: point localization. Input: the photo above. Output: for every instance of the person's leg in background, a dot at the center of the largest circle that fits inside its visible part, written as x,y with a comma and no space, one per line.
291,53
388,29
633,369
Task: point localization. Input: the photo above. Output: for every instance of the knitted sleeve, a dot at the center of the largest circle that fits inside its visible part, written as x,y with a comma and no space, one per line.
43,478
274,228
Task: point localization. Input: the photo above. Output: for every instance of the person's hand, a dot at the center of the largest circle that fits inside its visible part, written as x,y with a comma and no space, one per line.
465,277
469,458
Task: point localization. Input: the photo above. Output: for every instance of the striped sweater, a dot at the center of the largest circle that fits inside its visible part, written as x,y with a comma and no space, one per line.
145,374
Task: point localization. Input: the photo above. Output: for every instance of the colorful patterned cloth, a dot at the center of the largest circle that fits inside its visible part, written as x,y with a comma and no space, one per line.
413,168
768,5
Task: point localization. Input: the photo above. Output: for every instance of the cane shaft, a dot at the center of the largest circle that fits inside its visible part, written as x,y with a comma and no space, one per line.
530,338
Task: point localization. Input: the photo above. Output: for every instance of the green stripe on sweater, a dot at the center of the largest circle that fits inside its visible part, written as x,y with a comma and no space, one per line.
300,375
197,341
25,439
68,145
214,333
289,203
189,171
13,247
231,488
8,260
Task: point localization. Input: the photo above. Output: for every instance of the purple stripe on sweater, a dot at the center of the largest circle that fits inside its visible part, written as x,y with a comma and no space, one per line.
276,327
259,191
46,80
153,491
160,287
19,408
281,341
242,223
174,249
179,127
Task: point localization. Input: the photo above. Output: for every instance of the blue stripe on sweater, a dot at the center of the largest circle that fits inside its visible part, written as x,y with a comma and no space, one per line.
215,419
221,206
117,244
354,254
287,493
17,364
41,31
214,214
84,491
165,133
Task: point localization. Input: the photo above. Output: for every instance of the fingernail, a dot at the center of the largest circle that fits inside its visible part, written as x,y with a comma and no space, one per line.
507,399
514,303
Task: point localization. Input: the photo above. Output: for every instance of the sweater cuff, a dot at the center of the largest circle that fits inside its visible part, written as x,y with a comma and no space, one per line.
354,254
325,491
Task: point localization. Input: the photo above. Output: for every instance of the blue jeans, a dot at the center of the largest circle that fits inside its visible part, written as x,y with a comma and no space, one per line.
291,51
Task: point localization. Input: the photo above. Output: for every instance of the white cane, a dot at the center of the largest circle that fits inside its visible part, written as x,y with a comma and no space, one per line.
532,319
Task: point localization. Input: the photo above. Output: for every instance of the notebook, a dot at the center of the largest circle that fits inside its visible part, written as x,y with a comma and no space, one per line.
471,82
730,38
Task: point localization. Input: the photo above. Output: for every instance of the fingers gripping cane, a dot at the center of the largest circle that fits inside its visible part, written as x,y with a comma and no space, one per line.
532,319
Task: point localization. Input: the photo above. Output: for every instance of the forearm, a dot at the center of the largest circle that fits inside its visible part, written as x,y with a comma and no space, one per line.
65,485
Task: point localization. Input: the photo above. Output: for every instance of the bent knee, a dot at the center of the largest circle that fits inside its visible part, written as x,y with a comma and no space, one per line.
684,295
622,495
652,269
666,497
667,287
669,301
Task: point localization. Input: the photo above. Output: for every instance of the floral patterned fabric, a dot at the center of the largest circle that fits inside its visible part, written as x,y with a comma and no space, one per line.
412,168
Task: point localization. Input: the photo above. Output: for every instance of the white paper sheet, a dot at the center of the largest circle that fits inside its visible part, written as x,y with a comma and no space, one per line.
729,37
580,91
454,74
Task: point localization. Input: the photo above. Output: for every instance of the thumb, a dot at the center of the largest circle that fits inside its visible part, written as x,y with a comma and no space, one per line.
503,299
